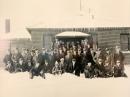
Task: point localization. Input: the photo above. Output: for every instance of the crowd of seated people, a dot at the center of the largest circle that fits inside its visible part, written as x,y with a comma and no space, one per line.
75,58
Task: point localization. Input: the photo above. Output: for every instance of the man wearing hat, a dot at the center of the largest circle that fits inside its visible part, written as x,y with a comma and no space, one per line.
78,65
88,71
8,62
99,70
43,56
118,55
118,70
39,64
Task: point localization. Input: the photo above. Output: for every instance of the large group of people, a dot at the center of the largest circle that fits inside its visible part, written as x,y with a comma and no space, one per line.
67,57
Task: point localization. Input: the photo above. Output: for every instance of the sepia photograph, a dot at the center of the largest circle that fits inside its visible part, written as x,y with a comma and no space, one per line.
64,48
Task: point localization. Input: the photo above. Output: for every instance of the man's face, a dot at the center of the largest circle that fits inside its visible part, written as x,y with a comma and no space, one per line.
117,49
62,60
8,63
25,51
79,51
36,52
100,61
106,63
74,52
68,52
89,64
91,50
60,51
74,47
32,53
64,49
84,51
88,46
118,63
56,64
46,62
20,61
107,51
43,51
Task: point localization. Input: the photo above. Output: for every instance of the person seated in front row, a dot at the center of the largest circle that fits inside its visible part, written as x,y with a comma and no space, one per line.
47,67
88,71
20,65
99,70
62,65
9,66
56,69
107,68
118,70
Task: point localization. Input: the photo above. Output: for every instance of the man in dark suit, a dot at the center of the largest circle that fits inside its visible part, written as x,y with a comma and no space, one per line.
99,70
15,58
84,60
119,70
78,65
118,55
68,62
41,58
8,62
39,64
88,71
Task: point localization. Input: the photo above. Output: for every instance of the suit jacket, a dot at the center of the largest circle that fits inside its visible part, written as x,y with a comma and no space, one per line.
119,57
78,65
7,58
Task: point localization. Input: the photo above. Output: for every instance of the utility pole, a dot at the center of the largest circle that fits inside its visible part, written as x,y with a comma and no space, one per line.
80,5
80,8
91,15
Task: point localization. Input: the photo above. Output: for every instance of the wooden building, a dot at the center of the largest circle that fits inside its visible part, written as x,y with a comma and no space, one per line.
103,37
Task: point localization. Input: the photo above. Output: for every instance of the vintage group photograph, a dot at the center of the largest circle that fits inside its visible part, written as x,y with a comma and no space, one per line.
64,48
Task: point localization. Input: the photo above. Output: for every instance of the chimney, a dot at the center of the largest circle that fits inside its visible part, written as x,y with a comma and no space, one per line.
7,25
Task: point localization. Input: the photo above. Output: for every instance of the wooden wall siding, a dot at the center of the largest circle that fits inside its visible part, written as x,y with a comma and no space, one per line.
108,39
127,58
22,43
37,39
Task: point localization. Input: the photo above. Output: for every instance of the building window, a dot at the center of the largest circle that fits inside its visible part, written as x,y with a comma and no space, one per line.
125,41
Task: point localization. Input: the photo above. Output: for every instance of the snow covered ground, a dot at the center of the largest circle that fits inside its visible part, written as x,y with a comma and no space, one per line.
66,85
